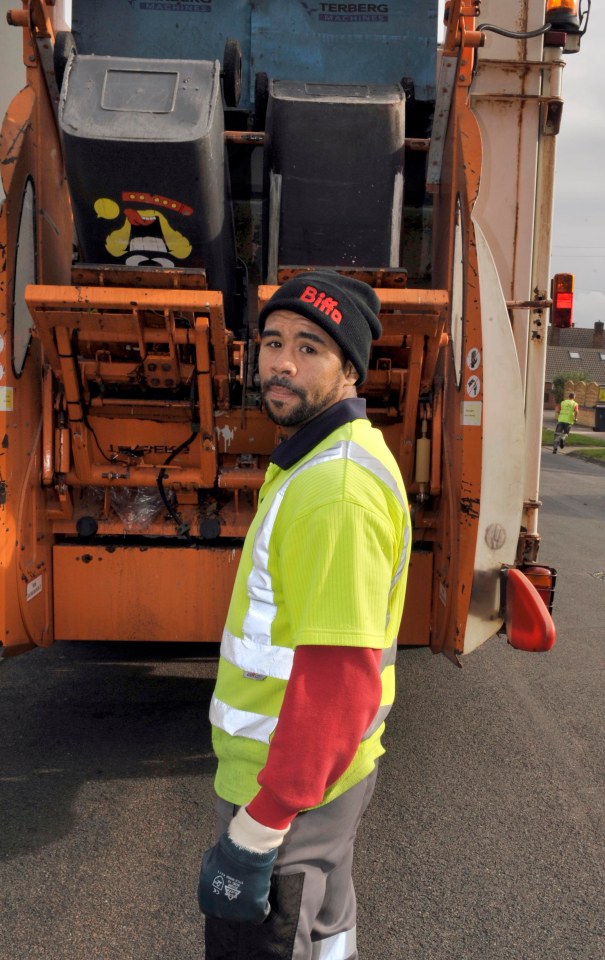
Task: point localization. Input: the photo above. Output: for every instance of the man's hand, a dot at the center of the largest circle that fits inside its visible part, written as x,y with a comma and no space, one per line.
234,882
236,872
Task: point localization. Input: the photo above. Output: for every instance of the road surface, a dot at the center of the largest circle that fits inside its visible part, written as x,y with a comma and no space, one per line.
485,840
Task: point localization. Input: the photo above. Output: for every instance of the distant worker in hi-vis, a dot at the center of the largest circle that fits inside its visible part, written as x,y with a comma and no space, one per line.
568,414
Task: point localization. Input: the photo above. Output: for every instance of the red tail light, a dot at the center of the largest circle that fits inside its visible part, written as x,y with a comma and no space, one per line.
562,299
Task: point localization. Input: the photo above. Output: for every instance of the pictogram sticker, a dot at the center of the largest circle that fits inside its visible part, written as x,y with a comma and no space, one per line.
473,358
473,386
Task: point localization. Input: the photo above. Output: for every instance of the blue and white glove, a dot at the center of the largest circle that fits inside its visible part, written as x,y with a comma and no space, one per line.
235,876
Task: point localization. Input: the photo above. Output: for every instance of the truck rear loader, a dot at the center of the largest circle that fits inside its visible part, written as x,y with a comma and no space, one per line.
165,168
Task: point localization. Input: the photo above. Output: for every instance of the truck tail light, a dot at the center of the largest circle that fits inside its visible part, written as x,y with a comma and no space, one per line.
562,299
543,579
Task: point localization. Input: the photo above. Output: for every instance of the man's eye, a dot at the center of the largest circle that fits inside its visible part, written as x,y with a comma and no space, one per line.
307,349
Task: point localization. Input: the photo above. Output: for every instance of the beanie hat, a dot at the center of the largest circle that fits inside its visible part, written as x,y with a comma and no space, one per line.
345,308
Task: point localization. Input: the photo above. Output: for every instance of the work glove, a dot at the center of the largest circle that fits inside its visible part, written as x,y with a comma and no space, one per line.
235,876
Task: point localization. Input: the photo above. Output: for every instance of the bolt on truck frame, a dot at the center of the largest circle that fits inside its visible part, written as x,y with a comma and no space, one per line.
164,168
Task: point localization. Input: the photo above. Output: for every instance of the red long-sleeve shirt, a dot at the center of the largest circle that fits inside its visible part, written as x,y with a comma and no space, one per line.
332,697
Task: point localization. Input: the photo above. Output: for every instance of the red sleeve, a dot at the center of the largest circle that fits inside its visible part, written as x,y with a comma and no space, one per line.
332,696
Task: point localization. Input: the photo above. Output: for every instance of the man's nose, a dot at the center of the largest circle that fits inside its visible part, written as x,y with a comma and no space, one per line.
285,363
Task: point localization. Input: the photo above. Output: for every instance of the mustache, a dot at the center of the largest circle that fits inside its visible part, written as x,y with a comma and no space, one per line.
283,382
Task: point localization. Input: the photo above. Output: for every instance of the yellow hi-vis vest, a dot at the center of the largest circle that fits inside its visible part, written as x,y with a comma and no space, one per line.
567,413
324,562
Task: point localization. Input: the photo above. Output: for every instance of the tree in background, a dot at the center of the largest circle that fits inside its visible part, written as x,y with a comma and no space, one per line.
558,384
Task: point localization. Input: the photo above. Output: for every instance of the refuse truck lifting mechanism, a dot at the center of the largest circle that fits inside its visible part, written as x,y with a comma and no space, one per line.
157,191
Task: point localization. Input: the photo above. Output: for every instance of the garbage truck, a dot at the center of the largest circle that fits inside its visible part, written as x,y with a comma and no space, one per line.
166,166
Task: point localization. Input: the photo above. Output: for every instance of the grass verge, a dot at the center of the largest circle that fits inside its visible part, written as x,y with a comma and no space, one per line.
574,440
595,455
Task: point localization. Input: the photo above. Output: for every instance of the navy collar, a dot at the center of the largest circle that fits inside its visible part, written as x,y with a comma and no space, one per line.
299,444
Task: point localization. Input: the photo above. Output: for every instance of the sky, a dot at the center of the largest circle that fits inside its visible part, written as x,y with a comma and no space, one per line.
578,239
578,242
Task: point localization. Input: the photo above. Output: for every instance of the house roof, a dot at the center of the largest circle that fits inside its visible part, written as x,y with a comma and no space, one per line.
575,336
590,361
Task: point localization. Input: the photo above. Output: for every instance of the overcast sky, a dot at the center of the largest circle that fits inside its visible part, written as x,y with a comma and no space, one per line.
579,227
578,242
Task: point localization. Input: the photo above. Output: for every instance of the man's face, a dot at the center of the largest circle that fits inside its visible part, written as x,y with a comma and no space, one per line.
302,370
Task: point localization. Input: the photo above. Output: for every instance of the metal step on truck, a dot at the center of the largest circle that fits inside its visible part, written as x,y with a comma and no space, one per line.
165,167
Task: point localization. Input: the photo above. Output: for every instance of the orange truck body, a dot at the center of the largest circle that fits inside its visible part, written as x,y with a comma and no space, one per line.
133,440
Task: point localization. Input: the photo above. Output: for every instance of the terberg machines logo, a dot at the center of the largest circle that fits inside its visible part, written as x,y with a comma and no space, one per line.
325,304
177,6
364,12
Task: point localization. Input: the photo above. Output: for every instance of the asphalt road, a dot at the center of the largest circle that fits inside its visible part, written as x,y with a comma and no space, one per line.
485,840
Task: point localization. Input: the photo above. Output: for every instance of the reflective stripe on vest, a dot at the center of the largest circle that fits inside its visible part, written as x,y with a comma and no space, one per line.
241,723
254,653
339,947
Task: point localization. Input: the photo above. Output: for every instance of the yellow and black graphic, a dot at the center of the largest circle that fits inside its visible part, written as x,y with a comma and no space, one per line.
146,237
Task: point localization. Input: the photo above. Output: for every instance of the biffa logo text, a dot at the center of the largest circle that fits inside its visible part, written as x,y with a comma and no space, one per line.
325,304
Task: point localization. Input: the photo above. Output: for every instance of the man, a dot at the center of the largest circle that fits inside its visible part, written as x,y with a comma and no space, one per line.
568,414
306,672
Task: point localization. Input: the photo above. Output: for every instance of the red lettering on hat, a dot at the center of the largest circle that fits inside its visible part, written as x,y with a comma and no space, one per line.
323,303
308,294
328,305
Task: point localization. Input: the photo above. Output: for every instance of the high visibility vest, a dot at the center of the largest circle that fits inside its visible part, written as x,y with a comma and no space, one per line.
567,413
259,639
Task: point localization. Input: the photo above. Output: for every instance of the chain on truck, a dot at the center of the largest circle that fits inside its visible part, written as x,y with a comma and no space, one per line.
165,167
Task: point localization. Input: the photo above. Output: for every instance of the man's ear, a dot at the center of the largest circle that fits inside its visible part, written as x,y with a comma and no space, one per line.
350,373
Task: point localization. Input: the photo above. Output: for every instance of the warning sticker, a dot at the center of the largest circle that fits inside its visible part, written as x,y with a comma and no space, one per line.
34,587
6,398
473,359
473,386
470,413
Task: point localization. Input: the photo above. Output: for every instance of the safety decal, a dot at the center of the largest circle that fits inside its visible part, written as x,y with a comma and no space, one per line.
470,413
34,587
473,386
495,536
473,358
6,399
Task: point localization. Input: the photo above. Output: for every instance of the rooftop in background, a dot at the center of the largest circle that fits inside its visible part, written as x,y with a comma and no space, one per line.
576,348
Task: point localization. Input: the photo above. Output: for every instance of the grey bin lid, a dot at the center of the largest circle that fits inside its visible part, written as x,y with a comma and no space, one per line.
129,99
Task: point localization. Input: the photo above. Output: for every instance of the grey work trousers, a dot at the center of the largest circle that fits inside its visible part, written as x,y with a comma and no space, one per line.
313,906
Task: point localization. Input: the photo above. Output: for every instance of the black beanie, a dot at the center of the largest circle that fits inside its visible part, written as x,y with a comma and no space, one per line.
345,308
